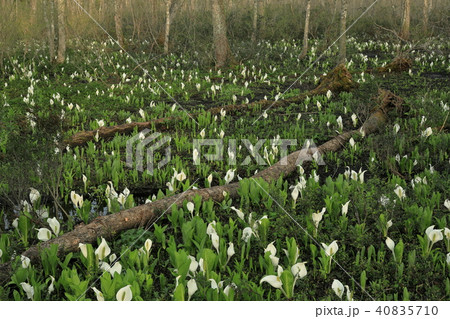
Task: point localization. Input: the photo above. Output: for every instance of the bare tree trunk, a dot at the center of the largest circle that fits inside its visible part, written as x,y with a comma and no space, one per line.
262,18
33,4
61,32
118,22
343,38
255,20
101,10
33,11
222,50
135,23
50,27
171,8
154,11
404,33
305,35
426,12
167,29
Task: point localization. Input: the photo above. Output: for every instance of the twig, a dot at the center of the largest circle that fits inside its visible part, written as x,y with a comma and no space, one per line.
392,31
443,124
139,66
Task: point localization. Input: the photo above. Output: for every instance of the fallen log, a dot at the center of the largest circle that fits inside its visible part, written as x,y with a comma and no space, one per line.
338,80
140,216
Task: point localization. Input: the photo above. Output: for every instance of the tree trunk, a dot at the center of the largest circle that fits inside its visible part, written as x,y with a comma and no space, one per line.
404,33
167,29
101,10
255,20
118,22
222,50
61,32
154,13
50,27
305,34
343,37
426,12
33,17
262,18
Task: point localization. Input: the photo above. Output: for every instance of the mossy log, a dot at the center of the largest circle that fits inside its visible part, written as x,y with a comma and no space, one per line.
142,216
338,80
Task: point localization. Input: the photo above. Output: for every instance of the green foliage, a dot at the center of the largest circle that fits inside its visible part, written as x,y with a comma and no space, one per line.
226,253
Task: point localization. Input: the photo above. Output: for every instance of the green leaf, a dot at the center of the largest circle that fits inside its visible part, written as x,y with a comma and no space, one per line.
398,251
24,226
288,282
178,294
363,280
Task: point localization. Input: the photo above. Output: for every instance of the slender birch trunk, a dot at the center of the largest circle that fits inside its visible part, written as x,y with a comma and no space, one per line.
406,16
50,27
222,50
118,22
168,23
343,37
426,13
61,32
255,20
306,32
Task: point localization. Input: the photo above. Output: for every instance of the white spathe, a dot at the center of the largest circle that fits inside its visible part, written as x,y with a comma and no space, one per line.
83,249
44,234
317,217
124,294
299,270
447,204
390,243
400,192
34,195
103,250
331,249
246,234
25,261
338,288
230,250
51,288
270,247
229,176
98,294
54,225
148,245
192,288
116,268
193,265
29,290
273,280
345,208
215,241
434,235
238,212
